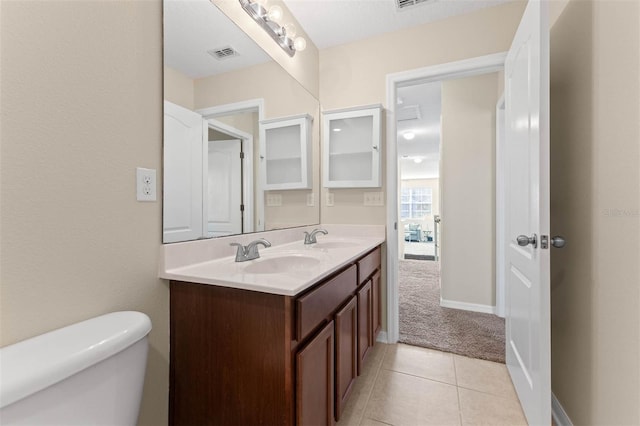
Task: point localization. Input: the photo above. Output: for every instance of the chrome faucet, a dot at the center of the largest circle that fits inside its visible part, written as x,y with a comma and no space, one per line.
250,251
310,238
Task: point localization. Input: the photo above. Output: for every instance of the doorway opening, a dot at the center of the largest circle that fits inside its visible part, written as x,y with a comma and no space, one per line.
418,142
445,299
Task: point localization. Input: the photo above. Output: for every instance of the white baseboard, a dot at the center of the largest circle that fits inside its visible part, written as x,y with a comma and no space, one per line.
382,337
474,307
560,416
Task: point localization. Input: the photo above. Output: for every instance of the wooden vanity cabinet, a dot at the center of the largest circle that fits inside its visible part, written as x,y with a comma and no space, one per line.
242,357
346,325
365,332
315,380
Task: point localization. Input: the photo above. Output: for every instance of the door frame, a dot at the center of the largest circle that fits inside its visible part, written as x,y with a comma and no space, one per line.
247,169
501,227
251,105
458,69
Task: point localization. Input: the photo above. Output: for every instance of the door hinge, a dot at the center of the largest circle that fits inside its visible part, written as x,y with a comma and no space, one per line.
395,226
241,207
241,155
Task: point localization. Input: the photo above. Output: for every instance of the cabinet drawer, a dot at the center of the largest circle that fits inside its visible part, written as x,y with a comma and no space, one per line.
317,305
368,264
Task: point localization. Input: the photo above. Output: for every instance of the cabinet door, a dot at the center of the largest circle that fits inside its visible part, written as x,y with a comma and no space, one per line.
346,352
285,153
314,380
351,147
376,307
365,331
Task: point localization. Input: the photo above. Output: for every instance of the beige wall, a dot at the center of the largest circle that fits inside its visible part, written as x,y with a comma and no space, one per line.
178,88
354,74
81,108
595,204
468,189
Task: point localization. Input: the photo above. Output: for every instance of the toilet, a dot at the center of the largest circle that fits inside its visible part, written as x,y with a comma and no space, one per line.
91,372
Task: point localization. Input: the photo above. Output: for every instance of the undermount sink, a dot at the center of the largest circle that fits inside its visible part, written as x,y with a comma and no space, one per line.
282,264
334,244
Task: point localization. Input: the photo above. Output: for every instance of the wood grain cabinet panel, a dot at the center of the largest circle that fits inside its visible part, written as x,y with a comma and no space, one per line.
376,303
321,302
365,332
314,380
346,353
368,265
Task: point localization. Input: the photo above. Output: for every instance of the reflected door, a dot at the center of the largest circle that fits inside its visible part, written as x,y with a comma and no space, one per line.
224,188
185,134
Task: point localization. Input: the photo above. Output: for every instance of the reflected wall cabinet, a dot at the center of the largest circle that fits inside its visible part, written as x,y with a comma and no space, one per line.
285,153
351,147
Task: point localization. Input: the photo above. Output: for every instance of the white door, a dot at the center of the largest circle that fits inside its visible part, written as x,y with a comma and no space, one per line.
223,193
185,134
527,213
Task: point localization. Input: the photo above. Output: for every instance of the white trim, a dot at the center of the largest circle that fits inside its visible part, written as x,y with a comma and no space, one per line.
236,107
248,105
473,307
351,109
463,68
501,240
247,170
382,337
558,414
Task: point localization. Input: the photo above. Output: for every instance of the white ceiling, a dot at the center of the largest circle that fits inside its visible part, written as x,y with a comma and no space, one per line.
193,27
334,22
425,147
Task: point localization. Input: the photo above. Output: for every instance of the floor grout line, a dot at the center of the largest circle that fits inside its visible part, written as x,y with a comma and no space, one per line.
375,380
420,377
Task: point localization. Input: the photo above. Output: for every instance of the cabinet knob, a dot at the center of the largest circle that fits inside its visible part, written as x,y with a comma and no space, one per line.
375,147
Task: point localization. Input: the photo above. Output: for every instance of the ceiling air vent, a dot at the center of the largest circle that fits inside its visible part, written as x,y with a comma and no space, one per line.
403,4
407,113
223,52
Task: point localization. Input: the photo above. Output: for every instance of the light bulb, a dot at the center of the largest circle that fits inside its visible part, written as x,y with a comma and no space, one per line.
290,30
300,44
417,160
409,135
275,14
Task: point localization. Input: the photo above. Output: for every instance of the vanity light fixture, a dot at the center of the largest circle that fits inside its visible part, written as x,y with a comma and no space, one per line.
270,20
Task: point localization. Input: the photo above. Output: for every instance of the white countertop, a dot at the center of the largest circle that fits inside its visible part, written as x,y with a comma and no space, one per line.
309,263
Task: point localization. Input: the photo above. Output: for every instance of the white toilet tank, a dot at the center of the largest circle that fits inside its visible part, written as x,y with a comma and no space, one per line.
89,373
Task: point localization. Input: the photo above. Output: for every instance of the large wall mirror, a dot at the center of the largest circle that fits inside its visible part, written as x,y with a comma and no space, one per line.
241,135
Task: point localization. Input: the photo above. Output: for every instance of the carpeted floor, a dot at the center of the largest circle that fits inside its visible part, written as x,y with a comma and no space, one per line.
423,322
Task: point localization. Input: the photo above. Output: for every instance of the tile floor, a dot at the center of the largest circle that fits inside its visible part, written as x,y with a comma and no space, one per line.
408,385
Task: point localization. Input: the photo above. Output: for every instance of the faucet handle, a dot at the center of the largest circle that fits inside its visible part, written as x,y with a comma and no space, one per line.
241,249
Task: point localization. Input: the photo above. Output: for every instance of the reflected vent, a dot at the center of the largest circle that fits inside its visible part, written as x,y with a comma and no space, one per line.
403,4
223,52
408,113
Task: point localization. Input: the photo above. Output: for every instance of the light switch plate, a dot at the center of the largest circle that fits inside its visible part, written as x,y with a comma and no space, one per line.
374,198
329,199
274,200
145,184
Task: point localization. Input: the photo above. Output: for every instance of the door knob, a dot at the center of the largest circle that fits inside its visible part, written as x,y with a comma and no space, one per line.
558,241
523,240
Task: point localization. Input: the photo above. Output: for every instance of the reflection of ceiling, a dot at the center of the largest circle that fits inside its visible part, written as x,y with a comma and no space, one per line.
334,22
419,113
194,27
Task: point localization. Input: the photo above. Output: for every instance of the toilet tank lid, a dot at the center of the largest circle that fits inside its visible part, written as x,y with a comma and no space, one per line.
39,362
